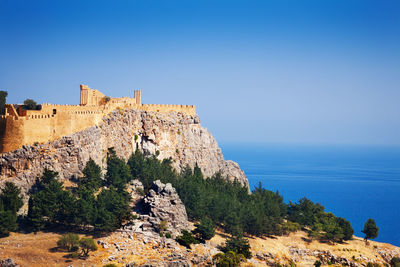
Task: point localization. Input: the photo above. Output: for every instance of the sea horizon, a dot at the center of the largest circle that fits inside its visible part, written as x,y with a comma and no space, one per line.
355,182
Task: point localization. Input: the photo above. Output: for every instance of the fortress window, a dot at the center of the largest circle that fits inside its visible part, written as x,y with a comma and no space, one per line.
54,111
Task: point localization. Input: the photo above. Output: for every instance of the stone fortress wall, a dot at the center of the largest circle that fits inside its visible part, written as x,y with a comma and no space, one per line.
20,127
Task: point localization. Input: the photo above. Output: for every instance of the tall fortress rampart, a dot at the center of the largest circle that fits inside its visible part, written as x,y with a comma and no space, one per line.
20,127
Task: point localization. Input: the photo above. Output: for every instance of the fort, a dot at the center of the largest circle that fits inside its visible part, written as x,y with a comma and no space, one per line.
19,126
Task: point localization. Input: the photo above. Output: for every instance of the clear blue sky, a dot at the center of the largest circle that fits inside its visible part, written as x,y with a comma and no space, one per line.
258,71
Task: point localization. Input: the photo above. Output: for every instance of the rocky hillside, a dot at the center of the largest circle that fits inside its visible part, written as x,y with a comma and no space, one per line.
174,135
143,241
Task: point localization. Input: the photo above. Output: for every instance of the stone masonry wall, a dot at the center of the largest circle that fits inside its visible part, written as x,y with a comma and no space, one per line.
26,127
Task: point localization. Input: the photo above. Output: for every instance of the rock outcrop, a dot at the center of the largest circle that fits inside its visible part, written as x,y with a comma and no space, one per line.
160,211
163,206
174,135
8,263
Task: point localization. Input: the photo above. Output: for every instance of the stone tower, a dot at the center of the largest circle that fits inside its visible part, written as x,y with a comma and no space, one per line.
138,97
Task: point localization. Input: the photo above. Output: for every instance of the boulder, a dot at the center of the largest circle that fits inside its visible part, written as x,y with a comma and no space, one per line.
164,209
8,263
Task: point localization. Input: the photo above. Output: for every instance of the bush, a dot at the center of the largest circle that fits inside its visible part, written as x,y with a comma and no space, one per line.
74,255
205,229
69,241
163,226
288,227
395,262
186,239
229,259
87,245
140,191
239,245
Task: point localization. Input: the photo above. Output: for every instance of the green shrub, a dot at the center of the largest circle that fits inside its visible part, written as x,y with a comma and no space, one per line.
163,226
87,245
186,239
228,259
239,245
69,241
395,262
74,255
288,227
140,191
205,229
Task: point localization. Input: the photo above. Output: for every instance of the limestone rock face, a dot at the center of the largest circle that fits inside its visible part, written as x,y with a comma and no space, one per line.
8,263
174,135
163,205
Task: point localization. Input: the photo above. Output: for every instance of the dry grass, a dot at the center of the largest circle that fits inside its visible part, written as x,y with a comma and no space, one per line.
38,250
280,246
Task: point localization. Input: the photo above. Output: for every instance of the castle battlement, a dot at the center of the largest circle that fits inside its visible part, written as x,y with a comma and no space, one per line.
20,127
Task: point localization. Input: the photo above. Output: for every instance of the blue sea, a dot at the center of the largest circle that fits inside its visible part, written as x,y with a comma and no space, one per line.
354,182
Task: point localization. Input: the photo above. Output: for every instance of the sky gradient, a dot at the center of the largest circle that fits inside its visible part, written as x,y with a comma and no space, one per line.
258,71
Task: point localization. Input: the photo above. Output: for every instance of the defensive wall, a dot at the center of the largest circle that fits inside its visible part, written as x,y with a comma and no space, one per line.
20,127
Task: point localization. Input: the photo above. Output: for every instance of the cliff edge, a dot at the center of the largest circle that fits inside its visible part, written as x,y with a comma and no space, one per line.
174,134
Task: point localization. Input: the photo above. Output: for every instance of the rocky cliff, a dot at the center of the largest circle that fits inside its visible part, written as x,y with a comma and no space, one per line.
174,135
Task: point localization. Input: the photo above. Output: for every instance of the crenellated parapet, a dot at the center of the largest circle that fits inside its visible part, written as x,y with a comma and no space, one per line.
188,109
20,127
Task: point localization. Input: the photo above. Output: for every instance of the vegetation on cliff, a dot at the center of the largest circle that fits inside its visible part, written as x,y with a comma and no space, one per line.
102,210
322,225
3,96
102,205
229,205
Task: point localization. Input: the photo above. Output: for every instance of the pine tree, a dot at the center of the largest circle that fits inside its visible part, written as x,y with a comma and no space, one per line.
370,229
91,179
118,172
206,228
